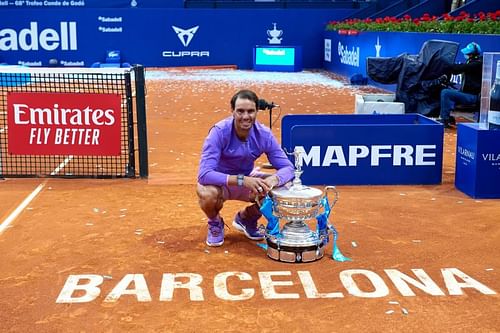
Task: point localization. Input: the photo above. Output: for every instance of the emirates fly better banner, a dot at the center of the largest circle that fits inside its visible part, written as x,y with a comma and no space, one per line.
64,124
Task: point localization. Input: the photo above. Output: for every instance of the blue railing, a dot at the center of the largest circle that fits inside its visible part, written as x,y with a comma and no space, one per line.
477,6
431,7
396,8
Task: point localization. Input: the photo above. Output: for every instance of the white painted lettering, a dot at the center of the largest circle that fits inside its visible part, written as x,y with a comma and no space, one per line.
381,289
455,287
312,157
221,290
402,152
356,152
140,289
310,288
169,283
268,285
377,155
30,39
401,281
421,155
91,288
339,158
19,111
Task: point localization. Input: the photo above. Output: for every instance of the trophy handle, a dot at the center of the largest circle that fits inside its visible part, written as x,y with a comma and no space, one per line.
335,192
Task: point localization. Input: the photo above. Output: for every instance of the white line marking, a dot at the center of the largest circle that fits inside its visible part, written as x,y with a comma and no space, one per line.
20,208
62,165
5,224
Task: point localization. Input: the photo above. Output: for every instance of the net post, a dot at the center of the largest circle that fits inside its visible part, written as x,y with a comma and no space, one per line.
130,171
140,103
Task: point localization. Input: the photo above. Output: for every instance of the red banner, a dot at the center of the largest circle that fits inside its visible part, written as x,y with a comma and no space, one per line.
64,124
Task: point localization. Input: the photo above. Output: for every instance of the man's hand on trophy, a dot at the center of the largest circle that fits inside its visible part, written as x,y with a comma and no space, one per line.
272,181
257,185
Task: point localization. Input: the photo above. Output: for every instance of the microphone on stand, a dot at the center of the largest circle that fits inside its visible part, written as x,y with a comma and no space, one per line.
263,104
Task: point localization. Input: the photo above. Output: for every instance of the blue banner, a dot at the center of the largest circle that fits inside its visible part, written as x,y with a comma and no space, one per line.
53,4
366,149
159,37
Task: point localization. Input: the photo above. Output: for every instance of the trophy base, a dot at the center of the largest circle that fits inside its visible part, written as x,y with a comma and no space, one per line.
296,244
295,254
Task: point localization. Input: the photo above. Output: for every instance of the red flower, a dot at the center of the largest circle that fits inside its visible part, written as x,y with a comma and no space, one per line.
487,23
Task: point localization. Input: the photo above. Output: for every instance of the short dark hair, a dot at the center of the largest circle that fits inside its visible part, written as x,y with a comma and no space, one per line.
245,94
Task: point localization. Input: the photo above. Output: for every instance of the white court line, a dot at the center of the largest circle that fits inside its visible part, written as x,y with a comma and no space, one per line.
20,208
62,165
30,197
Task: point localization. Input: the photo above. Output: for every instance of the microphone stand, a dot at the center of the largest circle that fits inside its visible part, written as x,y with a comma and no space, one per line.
269,165
270,118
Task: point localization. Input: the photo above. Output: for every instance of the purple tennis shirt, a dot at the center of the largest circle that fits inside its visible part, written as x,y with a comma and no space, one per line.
224,154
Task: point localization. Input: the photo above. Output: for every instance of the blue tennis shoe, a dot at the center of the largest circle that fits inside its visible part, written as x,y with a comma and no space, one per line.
248,227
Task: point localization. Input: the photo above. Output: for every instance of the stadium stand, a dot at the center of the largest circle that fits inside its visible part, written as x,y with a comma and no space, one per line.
305,4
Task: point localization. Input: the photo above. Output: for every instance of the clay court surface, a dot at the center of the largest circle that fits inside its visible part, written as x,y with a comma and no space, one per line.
113,228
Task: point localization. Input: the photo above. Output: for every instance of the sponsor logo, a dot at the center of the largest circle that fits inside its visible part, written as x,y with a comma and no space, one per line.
106,19
64,123
113,54
328,50
270,52
180,54
349,57
34,39
466,153
397,155
491,157
30,63
72,63
242,286
185,36
110,29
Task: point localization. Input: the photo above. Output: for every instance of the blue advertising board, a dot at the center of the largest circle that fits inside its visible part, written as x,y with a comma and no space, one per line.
277,58
366,149
78,4
158,37
477,171
346,54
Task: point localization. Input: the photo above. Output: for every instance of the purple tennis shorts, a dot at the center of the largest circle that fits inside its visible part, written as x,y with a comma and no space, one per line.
241,193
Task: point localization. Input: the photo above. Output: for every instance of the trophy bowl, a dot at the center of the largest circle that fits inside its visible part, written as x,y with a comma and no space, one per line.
296,242
296,203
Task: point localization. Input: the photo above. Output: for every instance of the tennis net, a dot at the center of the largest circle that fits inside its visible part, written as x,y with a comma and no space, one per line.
72,122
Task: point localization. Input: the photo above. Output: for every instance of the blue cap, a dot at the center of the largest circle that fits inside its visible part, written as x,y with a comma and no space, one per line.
471,48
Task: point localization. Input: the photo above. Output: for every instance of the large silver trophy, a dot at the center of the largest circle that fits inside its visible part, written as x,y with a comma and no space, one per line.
297,204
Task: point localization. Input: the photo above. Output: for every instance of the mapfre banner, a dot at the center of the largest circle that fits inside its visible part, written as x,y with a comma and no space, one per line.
64,124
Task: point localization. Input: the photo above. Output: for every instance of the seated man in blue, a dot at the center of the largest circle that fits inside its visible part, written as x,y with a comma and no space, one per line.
469,94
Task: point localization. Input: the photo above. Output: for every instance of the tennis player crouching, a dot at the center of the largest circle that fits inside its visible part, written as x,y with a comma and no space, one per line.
226,170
